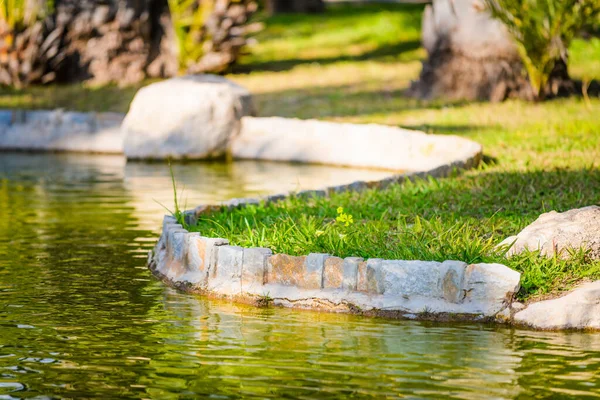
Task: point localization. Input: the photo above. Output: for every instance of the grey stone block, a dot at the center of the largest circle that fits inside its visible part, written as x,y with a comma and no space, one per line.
208,251
337,189
172,226
254,268
240,203
307,194
451,281
190,217
350,277
358,186
194,262
229,266
313,270
410,278
274,198
374,283
178,244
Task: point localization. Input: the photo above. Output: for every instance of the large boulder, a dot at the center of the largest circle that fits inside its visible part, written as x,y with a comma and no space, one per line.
580,309
192,117
556,233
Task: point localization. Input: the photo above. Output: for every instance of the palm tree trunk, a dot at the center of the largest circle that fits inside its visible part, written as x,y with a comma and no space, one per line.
294,6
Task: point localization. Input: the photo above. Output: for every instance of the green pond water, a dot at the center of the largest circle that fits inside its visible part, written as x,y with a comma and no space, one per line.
82,317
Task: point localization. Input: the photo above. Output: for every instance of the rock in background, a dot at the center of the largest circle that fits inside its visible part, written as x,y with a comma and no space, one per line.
193,117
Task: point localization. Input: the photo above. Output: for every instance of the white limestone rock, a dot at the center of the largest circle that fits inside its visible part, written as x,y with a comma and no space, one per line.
556,233
369,146
193,117
490,286
579,309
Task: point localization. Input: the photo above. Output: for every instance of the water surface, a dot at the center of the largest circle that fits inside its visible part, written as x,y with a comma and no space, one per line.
82,317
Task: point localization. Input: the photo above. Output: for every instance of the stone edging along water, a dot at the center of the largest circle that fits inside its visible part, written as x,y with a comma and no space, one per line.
401,289
396,288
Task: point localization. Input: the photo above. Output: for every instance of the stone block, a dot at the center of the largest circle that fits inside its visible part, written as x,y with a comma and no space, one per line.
194,262
333,273
168,219
276,197
313,276
229,264
254,268
373,271
337,189
190,217
409,278
207,250
361,279
350,273
490,286
286,270
179,245
240,203
452,281
358,186
307,194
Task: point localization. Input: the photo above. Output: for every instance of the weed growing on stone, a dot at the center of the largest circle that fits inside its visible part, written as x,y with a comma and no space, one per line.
264,300
177,211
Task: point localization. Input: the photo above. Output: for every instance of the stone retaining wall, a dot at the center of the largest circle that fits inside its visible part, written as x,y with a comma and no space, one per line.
399,288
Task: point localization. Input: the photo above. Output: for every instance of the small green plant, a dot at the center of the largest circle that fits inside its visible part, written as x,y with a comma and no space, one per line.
189,18
344,218
177,211
264,300
543,31
18,14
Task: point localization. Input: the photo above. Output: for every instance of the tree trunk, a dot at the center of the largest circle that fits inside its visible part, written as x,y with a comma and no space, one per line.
471,56
295,6
115,41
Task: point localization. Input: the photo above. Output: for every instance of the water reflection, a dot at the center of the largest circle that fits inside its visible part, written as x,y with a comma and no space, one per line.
81,317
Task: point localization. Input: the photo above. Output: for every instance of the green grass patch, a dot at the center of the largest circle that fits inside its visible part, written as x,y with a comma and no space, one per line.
459,218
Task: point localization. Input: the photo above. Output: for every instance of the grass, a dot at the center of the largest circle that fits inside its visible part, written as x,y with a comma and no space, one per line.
352,64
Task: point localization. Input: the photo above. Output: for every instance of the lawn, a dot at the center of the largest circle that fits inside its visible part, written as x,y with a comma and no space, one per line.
353,64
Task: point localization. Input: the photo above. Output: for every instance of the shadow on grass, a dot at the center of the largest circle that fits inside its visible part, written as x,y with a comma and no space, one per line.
71,97
346,101
387,30
382,52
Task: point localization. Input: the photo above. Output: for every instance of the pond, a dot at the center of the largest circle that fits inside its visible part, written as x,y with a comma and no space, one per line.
82,317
